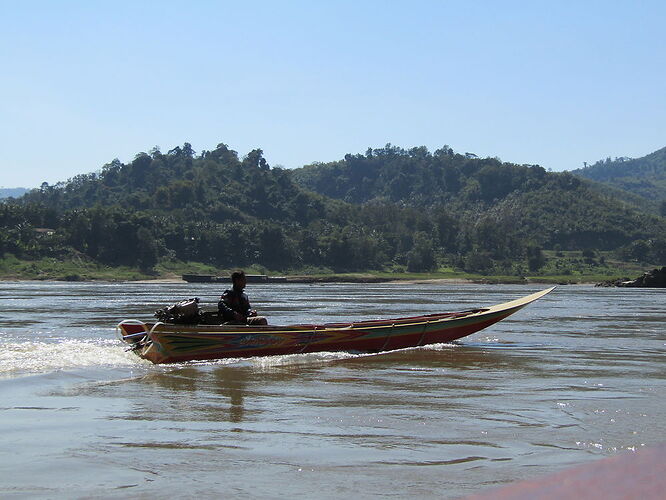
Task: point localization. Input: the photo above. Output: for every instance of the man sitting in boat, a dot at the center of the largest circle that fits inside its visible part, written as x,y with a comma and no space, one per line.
234,306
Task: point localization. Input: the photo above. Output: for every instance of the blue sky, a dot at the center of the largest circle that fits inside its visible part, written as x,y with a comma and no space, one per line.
541,82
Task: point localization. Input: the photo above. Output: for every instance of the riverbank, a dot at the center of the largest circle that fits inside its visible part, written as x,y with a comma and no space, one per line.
335,278
13,269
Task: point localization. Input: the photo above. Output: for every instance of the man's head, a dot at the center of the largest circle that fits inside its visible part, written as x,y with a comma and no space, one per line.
238,279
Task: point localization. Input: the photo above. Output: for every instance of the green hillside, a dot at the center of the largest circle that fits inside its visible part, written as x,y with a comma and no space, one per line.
498,206
213,208
387,210
550,209
643,177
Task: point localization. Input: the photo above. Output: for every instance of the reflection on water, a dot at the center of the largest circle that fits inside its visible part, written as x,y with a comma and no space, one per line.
575,376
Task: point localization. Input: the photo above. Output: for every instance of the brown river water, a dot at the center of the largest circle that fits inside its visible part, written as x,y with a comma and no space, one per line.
577,376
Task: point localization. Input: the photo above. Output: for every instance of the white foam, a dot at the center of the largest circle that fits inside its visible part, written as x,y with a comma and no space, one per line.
268,362
40,357
18,358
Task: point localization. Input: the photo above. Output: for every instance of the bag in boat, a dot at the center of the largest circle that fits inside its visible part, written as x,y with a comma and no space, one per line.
183,312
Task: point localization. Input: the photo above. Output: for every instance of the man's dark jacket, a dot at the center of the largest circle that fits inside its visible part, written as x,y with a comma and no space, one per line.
233,301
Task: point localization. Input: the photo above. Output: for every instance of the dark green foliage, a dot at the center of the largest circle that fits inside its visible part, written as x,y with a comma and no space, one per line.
418,177
421,258
535,258
643,177
396,208
495,212
214,208
652,250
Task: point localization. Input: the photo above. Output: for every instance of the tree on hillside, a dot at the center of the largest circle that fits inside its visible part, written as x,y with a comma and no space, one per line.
147,251
421,258
535,258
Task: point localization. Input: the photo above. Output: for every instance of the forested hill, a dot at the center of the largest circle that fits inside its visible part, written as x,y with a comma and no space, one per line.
213,207
645,177
214,186
420,178
521,201
395,209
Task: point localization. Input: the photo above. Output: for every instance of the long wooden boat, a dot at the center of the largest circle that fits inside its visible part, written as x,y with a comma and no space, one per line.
171,343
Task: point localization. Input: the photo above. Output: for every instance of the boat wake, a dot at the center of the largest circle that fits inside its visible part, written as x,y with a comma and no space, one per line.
24,358
268,363
28,358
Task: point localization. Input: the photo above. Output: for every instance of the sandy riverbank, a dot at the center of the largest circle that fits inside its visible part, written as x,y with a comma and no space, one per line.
363,279
370,280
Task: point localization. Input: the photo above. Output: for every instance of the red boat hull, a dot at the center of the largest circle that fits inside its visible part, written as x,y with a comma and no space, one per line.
169,343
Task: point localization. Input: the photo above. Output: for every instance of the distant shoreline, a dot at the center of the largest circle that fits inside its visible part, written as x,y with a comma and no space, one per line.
330,279
173,272
397,281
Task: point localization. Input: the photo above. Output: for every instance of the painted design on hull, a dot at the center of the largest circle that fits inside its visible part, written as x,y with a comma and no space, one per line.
168,343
